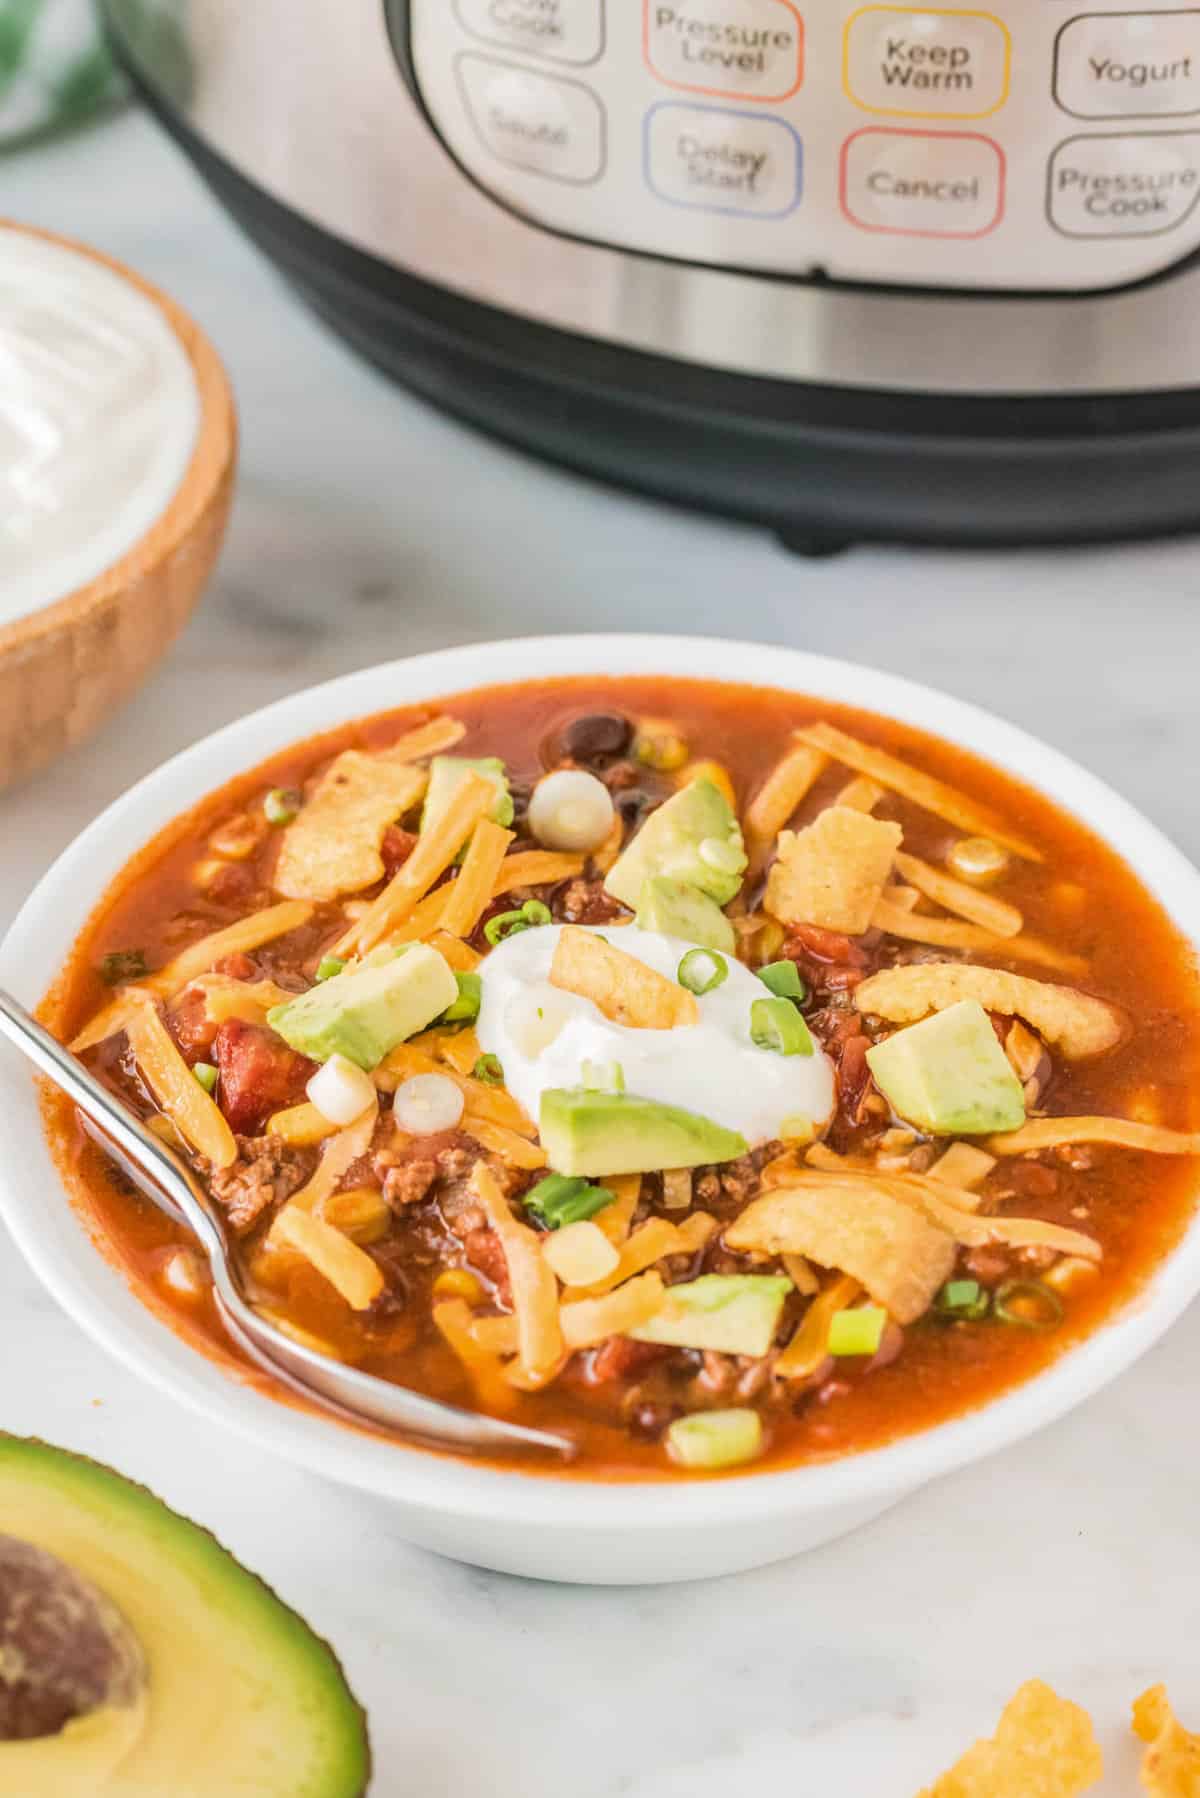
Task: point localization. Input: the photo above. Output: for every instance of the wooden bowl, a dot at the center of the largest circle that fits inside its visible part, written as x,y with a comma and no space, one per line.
65,668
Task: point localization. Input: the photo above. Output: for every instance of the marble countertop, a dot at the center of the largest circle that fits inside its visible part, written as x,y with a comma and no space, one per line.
368,526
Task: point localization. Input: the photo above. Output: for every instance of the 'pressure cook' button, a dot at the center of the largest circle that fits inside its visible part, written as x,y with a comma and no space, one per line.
730,49
535,122
1134,184
923,183
723,161
1129,65
562,30
927,63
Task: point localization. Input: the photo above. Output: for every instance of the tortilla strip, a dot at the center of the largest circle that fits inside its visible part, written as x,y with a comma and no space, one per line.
427,739
301,1127
974,1231
536,868
832,873
534,1288
950,933
996,915
965,1168
340,1153
349,1269
333,846
471,893
810,1344
616,1219
922,789
1122,1133
236,939
648,1244
436,848
249,1000
853,1223
454,952
516,1150
860,794
785,786
455,1319
171,1080
1075,1022
110,1021
800,1273
587,1321
621,986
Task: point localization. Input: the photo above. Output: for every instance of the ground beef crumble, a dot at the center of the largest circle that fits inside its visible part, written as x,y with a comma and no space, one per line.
265,1173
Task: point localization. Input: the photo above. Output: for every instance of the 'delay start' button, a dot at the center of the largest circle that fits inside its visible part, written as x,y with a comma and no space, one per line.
923,183
1127,65
562,30
728,49
540,123
926,63
720,161
1129,184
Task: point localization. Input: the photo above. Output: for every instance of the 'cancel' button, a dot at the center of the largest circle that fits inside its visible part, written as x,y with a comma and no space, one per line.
923,183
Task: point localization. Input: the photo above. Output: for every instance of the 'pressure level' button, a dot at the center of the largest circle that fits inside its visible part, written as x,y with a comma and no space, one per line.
1129,184
926,62
923,183
562,30
728,49
1129,65
540,123
720,161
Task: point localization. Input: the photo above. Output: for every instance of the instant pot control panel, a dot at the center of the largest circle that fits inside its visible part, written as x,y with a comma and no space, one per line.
1045,145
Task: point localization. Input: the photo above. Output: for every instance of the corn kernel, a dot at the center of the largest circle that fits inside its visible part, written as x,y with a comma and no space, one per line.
658,745
716,772
457,1283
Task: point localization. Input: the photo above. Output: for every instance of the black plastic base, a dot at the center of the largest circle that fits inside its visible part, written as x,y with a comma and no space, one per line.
822,466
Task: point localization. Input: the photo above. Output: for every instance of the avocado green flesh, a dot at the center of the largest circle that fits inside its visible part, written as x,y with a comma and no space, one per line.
242,1696
363,1014
949,1075
591,1133
446,774
673,908
669,844
735,1314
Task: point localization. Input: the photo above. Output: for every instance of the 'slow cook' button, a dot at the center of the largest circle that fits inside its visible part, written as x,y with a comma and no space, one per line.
927,62
721,161
730,49
1129,65
562,30
1131,184
535,122
923,183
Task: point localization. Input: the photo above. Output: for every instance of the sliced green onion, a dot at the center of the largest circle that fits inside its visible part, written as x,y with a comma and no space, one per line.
534,912
281,805
207,1075
857,1332
963,1299
504,925
1028,1305
565,1199
783,979
123,964
776,1024
702,970
603,1077
328,966
489,1070
465,1009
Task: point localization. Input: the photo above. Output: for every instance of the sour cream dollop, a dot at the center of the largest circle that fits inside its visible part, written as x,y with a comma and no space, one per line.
711,1068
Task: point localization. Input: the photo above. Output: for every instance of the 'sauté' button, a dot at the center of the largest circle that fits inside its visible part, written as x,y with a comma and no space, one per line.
926,62
560,30
727,49
1127,65
723,161
923,183
540,123
1124,184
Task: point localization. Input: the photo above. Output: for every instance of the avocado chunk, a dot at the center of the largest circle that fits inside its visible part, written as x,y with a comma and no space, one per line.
736,1314
948,1075
693,837
590,1133
710,1440
363,1013
674,908
447,772
167,1633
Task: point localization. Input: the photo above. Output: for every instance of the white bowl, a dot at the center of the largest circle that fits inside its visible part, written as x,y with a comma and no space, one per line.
553,1528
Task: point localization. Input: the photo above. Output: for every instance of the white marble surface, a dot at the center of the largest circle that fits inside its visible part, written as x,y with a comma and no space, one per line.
367,526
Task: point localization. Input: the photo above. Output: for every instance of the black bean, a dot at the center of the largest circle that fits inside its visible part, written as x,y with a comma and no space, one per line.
596,736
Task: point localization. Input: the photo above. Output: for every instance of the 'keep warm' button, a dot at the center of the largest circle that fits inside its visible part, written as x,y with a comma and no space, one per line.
1129,184
540,123
923,183
722,161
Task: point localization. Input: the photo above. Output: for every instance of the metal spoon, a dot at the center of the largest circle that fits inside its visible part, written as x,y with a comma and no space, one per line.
168,1181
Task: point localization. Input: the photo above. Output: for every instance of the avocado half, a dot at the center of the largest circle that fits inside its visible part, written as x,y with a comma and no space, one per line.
138,1658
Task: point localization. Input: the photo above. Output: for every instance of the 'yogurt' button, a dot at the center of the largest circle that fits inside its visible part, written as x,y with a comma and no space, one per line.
535,122
732,49
562,30
723,161
923,183
1135,184
927,63
1129,65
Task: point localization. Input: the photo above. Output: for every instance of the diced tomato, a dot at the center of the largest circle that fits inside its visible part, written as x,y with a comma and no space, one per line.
827,945
618,1358
259,1074
485,1252
853,1077
396,848
191,1026
236,967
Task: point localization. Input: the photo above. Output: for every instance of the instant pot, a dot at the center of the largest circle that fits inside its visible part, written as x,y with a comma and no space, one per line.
852,270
